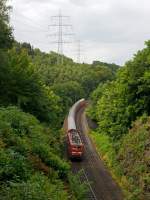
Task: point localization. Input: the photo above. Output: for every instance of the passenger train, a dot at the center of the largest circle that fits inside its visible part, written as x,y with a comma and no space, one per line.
74,143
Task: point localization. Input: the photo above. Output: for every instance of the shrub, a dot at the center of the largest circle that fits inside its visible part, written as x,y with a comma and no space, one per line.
38,187
51,159
78,189
134,158
13,166
24,144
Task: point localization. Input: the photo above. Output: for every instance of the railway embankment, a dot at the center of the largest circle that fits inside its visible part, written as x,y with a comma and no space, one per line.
129,166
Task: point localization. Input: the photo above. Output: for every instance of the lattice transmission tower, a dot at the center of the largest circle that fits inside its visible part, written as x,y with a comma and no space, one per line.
60,23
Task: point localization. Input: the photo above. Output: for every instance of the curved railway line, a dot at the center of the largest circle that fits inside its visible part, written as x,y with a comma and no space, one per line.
100,183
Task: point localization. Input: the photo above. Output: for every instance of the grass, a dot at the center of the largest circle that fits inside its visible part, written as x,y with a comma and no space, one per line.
108,154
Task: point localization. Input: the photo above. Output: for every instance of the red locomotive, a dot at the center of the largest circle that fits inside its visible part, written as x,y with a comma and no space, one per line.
75,145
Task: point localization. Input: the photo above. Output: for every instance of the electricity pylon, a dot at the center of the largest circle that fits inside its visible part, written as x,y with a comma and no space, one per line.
60,34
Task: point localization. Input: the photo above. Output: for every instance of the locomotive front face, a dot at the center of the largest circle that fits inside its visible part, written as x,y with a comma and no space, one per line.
75,146
76,151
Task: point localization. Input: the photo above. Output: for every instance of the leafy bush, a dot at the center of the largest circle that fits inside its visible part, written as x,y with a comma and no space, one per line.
38,187
134,158
51,159
13,166
79,189
25,147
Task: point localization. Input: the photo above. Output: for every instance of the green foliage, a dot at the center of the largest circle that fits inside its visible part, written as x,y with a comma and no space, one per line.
134,158
113,118
79,189
27,147
114,68
51,159
71,81
130,165
13,166
69,92
36,188
19,129
6,37
94,97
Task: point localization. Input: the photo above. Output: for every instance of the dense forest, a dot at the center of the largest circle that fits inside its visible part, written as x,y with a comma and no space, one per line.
35,96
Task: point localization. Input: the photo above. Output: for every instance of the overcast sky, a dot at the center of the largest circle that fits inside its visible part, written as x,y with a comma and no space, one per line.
109,30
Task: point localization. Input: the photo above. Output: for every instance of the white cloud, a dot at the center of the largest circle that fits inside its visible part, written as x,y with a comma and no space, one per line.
111,30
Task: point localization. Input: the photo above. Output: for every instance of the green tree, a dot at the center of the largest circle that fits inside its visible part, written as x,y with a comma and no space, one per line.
6,37
69,92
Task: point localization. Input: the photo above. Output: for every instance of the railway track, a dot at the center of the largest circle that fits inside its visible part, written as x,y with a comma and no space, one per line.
84,179
101,186
91,194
